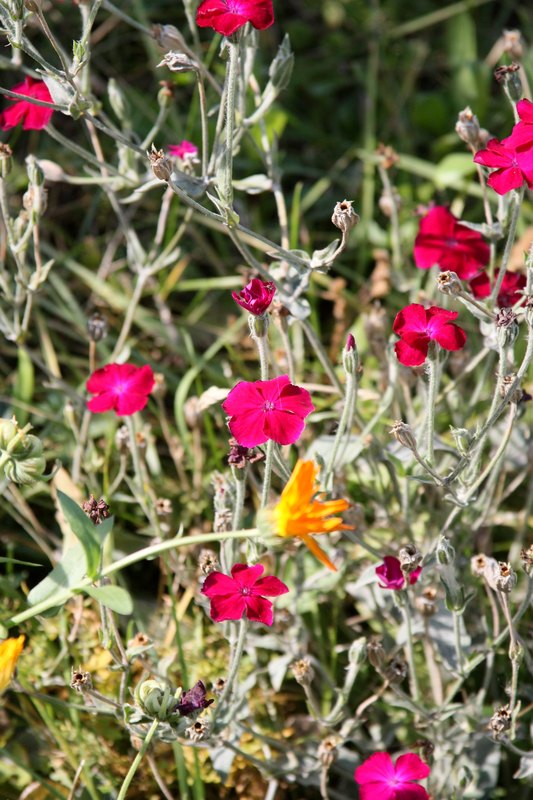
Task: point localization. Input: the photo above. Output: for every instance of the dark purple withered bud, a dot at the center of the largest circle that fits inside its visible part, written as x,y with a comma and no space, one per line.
193,701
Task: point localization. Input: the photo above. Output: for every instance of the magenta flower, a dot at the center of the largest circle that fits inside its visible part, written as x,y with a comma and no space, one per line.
442,240
32,116
510,290
122,387
522,135
227,16
380,779
417,327
390,572
263,410
243,594
184,150
511,166
256,296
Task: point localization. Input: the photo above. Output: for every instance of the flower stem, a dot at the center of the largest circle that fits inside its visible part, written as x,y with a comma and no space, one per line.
406,610
433,381
345,424
137,760
234,668
508,244
457,640
231,86
267,475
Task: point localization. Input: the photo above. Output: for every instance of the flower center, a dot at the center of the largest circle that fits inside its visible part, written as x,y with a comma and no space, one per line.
451,242
245,590
268,406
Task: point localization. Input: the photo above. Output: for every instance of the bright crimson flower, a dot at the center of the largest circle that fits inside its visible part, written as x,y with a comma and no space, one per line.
390,572
243,594
263,410
444,241
227,16
510,290
417,327
123,387
380,779
32,116
256,296
522,135
183,150
511,166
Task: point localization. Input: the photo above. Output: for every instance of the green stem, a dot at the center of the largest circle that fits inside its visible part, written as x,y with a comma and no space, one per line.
433,381
406,610
142,498
239,476
234,668
137,760
261,339
317,346
457,640
267,475
231,86
345,424
203,119
508,245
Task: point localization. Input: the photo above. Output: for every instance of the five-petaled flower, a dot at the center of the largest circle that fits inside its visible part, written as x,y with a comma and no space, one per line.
184,150
510,291
122,387
227,16
263,410
10,650
391,575
444,241
512,166
32,116
256,296
417,327
243,594
522,135
381,779
301,511
193,701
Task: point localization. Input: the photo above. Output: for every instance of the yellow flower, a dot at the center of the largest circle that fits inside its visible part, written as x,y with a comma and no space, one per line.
10,650
301,512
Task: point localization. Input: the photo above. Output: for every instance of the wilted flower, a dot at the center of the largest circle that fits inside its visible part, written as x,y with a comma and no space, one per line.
390,572
381,779
256,296
301,512
344,217
193,701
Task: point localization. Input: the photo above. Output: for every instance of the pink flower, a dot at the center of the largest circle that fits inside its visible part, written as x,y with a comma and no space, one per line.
256,296
511,166
510,290
390,572
227,16
444,241
123,387
265,410
32,116
380,779
242,594
417,327
183,150
522,135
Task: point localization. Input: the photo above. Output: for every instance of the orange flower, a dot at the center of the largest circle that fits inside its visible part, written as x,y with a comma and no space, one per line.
301,513
10,650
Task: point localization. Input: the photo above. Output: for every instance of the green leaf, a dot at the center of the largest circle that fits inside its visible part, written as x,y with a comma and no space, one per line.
5,560
69,572
88,534
452,168
114,597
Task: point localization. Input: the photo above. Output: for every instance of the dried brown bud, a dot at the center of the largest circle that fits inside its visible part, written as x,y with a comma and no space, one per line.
467,128
507,578
327,751
403,434
344,217
526,557
396,671
513,44
478,565
163,506
506,327
218,686
207,561
96,510
518,394
122,438
168,37
198,731
449,283
97,327
161,165
178,62
80,680
388,156
509,77
500,722
239,456
303,672
375,652
425,602
410,558
139,640
389,202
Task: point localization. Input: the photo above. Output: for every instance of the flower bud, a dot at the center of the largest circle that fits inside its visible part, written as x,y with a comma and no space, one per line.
23,453
467,128
207,561
375,652
506,578
410,558
344,217
303,672
403,434
449,283
388,155
506,327
161,165
97,327
389,202
6,159
445,552
96,510
526,558
500,722
178,62
517,395
327,751
509,77
396,671
350,356
513,44
280,69
80,681
478,564
168,37
425,603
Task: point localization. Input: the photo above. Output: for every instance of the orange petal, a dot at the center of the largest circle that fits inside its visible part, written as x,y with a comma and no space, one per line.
318,552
